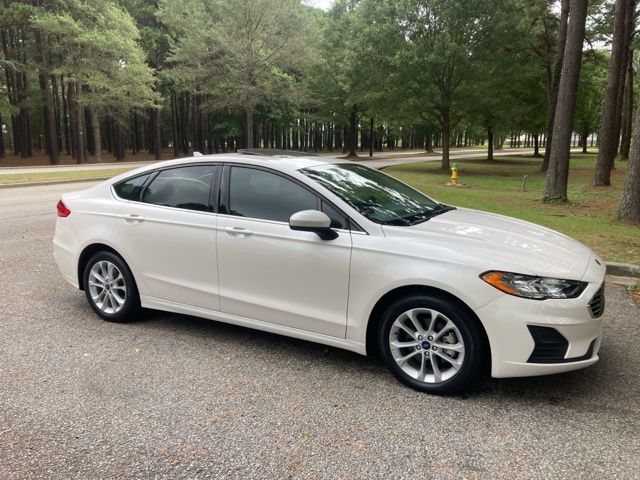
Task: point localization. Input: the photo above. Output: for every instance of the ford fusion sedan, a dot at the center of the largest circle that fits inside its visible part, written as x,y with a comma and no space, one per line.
337,253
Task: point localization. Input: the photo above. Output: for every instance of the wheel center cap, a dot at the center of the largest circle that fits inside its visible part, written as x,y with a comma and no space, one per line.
426,345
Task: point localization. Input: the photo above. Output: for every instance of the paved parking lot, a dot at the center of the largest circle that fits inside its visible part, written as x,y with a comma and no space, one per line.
179,397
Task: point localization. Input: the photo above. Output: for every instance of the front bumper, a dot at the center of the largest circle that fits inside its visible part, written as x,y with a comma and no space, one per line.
526,336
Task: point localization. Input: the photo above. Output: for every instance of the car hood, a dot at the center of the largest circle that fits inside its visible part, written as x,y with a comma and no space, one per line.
500,242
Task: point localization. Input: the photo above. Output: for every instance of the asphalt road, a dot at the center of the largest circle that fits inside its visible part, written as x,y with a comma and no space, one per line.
179,397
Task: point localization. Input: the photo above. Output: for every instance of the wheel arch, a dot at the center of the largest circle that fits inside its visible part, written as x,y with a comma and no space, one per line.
86,255
409,290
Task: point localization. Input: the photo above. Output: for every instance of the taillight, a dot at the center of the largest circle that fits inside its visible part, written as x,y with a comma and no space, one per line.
62,209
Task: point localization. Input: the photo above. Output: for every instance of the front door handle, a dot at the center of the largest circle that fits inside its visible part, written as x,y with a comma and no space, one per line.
133,219
237,231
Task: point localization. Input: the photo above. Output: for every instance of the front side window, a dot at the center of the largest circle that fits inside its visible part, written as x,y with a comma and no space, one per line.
337,219
255,193
379,197
131,189
183,187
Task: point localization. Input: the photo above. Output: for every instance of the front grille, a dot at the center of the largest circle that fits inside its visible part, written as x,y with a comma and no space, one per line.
596,305
551,346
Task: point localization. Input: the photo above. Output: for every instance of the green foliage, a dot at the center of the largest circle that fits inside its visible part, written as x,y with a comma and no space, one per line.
593,81
95,44
239,53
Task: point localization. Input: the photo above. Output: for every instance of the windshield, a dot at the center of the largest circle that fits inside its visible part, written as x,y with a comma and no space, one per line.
379,197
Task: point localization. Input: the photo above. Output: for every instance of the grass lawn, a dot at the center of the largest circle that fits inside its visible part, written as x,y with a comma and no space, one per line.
495,187
57,176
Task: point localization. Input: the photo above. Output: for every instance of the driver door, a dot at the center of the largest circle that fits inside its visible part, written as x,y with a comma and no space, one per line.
269,272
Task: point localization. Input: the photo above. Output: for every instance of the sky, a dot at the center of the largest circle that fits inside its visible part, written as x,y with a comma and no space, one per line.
324,4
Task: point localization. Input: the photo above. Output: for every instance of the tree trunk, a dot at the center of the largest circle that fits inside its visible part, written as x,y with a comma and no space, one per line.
156,132
119,147
446,139
82,134
345,139
25,124
429,139
625,144
626,50
16,80
558,171
629,209
2,152
182,123
135,144
89,129
174,126
608,130
65,118
371,137
56,111
97,139
353,127
536,145
49,124
490,144
195,130
249,129
583,142
73,137
554,83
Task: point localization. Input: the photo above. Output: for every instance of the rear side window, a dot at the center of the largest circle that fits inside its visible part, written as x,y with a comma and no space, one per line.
184,187
130,189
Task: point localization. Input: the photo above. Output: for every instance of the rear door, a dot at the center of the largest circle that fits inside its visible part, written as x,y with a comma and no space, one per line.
170,236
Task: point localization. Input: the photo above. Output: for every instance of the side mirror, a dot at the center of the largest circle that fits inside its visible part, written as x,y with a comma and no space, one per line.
313,221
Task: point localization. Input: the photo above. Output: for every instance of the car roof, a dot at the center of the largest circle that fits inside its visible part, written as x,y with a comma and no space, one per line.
285,164
280,162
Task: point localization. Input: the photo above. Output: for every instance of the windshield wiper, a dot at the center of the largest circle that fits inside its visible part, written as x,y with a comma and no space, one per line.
424,216
398,222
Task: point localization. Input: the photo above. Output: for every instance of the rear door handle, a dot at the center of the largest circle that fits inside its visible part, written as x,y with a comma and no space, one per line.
133,219
237,231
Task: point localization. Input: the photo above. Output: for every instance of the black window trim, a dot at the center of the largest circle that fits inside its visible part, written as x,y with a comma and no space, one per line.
223,195
220,190
213,187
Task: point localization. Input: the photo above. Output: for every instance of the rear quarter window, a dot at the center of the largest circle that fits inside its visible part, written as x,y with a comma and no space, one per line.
131,189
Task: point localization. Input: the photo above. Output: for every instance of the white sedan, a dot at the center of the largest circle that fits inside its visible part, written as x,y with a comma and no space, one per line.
340,254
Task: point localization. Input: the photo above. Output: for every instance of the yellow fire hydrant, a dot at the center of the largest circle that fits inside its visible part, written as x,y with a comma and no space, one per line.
454,173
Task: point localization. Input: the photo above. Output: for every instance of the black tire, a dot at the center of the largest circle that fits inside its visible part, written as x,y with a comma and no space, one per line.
131,308
474,354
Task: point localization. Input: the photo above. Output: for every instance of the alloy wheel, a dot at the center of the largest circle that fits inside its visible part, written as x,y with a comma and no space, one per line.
426,345
107,287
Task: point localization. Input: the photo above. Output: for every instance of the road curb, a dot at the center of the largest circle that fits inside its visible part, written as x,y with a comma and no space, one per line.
623,269
53,182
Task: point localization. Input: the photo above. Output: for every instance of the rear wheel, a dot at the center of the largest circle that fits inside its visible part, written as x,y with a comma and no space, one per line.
110,288
431,344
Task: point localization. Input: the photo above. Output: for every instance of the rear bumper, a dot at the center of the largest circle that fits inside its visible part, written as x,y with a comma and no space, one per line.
64,253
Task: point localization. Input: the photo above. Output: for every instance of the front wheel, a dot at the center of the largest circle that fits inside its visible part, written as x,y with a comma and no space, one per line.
431,344
110,288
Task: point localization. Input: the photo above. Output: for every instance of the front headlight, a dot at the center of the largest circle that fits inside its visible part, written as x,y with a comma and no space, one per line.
537,288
